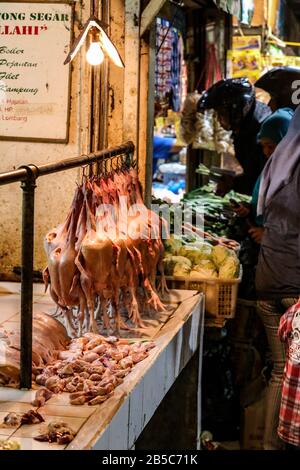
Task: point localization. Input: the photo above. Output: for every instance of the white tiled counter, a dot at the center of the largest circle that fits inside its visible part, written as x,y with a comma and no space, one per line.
117,423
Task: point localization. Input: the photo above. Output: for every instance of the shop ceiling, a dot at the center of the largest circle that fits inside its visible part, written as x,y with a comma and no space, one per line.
153,7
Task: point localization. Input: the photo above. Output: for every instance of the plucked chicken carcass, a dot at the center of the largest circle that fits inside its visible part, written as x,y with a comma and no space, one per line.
49,338
103,260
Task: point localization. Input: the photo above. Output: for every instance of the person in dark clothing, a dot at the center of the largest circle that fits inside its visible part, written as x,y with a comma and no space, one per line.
239,111
280,83
278,269
248,150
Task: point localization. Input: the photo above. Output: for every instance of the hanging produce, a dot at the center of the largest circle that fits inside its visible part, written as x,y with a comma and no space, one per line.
103,260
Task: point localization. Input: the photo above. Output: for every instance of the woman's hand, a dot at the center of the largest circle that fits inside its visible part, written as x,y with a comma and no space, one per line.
256,234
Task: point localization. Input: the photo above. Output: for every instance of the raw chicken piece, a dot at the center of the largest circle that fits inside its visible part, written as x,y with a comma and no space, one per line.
41,396
12,419
59,432
49,337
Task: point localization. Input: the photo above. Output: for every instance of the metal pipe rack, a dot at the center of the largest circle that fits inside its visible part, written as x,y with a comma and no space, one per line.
28,175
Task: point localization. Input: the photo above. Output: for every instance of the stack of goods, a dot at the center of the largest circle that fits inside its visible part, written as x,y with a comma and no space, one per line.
220,221
89,368
200,260
169,46
104,258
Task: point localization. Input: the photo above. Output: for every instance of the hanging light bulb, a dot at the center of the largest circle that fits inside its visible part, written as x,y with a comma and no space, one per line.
100,44
94,55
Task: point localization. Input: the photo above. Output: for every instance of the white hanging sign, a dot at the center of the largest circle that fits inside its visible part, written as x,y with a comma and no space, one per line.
34,83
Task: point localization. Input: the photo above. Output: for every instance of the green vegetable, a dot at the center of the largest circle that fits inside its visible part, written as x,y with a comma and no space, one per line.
219,218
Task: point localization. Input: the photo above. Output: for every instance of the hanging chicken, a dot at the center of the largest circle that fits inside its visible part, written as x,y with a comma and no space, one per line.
103,260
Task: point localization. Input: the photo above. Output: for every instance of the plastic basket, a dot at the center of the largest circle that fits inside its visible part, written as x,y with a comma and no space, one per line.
220,295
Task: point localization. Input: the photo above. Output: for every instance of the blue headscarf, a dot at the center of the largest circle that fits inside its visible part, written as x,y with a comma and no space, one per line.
281,164
276,126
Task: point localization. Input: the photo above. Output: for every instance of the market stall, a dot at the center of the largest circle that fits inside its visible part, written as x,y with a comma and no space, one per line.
117,423
130,286
111,290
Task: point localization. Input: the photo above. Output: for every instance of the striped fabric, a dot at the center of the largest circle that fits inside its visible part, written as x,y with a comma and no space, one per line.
289,417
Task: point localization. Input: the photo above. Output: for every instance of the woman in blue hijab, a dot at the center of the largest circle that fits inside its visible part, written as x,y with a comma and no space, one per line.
272,131
278,267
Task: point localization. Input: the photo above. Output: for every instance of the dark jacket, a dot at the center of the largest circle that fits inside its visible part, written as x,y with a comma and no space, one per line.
247,151
278,269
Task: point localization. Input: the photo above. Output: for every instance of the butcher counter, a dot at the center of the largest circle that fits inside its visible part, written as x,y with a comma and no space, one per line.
122,421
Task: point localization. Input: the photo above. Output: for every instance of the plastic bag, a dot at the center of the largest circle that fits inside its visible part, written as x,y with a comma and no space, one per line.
187,128
202,130
204,125
210,134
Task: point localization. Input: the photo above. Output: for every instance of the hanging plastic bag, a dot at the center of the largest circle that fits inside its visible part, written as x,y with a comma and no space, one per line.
203,130
222,138
187,129
204,125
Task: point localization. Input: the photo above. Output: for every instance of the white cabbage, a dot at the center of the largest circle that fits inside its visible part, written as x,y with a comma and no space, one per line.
230,268
204,270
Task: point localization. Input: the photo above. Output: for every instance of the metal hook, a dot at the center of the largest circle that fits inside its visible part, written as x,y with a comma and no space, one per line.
84,174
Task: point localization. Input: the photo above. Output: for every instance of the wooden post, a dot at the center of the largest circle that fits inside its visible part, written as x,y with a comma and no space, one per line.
146,133
149,13
132,76
115,85
143,112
